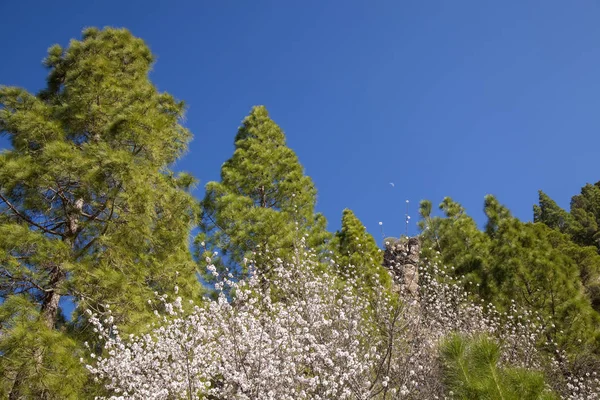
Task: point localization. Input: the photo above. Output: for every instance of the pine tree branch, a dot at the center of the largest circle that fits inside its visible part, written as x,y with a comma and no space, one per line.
27,219
112,209
24,279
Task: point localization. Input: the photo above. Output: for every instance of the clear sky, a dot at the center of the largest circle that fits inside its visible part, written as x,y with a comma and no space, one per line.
442,98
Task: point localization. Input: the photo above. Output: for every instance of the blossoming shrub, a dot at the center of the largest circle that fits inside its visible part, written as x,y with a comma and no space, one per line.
304,333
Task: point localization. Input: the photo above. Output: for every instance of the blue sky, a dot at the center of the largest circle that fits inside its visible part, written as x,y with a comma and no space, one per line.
442,98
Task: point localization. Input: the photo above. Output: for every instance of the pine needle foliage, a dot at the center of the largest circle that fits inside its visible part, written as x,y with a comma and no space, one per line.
358,254
88,207
264,202
581,223
472,371
511,262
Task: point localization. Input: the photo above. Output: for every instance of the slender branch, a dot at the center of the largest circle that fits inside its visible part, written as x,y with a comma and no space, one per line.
23,279
89,244
27,219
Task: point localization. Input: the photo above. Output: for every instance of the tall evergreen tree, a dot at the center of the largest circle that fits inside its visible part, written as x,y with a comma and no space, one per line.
582,223
88,208
549,213
456,240
358,254
529,266
585,209
528,263
264,202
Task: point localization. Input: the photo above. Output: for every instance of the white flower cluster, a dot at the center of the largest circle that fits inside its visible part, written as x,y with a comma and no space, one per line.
302,333
304,337
578,379
585,387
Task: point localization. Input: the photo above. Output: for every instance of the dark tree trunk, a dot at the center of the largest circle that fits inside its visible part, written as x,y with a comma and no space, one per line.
49,308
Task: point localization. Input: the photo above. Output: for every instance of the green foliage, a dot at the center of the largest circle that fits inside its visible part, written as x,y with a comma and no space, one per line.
581,226
56,356
88,207
530,264
582,223
358,253
526,264
264,202
471,370
549,213
585,209
456,241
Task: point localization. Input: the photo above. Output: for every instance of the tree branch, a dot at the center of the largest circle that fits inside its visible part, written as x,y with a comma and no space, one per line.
27,219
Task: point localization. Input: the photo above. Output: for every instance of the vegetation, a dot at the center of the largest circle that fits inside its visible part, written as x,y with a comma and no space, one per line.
582,223
264,201
512,262
91,212
88,208
472,371
358,254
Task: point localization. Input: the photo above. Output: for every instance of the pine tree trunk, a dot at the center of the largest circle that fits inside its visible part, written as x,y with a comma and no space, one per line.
263,197
52,297
57,275
49,308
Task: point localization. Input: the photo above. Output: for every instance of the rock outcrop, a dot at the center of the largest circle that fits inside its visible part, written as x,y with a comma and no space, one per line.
401,258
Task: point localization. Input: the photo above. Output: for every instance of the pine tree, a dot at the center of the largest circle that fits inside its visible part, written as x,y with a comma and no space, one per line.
472,370
358,254
456,241
582,223
528,263
529,267
88,208
585,209
587,260
549,213
264,202
580,228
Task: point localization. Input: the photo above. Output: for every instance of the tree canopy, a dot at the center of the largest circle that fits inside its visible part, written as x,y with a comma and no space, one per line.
582,222
88,207
264,202
358,254
512,262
